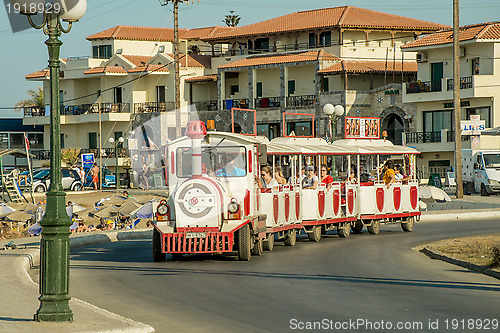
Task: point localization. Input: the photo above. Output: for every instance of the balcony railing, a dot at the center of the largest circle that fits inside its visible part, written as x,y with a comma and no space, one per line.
272,49
300,101
206,105
236,103
423,137
423,86
267,102
106,152
34,111
149,107
465,83
41,154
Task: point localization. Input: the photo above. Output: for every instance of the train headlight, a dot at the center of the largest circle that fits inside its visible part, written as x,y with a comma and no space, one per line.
233,207
162,209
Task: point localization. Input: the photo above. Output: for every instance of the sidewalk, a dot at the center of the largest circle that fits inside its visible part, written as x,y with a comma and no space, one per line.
20,293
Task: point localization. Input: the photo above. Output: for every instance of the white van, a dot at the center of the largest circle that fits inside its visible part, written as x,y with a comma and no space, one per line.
482,168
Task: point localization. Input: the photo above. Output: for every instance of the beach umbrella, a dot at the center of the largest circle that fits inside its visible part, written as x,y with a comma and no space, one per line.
73,209
431,193
25,207
6,210
105,212
145,211
128,208
18,216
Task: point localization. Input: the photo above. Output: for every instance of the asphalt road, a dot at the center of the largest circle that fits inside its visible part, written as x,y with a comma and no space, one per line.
368,280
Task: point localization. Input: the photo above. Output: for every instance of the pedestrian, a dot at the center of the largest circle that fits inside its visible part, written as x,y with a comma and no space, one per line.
95,175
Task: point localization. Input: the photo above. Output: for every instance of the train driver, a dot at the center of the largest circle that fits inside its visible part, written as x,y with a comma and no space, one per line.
230,169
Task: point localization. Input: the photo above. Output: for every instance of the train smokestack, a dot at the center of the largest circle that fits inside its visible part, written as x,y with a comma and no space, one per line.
196,130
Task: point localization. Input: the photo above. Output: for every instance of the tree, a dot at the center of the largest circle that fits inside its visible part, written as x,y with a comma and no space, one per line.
70,155
36,99
231,20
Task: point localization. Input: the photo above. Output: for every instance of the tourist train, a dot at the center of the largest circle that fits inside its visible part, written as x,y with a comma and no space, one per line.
217,206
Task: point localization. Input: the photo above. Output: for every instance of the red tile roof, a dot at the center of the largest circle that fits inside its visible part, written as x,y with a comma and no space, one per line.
204,32
38,74
137,33
150,68
281,59
137,60
106,69
204,78
369,66
339,17
468,32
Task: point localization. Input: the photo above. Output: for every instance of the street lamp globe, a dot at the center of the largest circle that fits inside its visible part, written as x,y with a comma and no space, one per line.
339,110
328,109
121,139
111,140
72,10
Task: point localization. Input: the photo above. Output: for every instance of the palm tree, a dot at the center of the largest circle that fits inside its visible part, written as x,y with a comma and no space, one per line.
231,20
36,99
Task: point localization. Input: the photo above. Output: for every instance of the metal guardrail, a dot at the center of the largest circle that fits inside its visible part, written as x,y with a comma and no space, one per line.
465,83
423,137
300,101
416,87
148,107
267,102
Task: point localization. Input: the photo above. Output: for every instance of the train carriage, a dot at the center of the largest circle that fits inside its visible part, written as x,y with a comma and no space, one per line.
216,205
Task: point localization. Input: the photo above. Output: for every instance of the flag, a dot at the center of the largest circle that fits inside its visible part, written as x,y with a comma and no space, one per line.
26,142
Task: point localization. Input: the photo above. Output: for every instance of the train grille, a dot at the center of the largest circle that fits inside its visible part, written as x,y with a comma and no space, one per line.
214,242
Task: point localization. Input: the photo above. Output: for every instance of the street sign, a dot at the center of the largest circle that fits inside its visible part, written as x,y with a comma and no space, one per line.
88,160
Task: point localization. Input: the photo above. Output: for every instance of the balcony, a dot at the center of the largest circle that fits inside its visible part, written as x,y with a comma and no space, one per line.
106,152
465,83
300,102
236,103
267,102
206,105
149,107
74,110
416,87
423,137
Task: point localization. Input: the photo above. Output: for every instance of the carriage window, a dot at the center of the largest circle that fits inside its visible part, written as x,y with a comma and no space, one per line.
216,161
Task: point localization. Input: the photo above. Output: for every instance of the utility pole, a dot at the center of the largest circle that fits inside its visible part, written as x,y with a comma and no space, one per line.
456,100
177,79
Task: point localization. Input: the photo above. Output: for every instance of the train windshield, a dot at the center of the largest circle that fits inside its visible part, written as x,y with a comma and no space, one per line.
217,161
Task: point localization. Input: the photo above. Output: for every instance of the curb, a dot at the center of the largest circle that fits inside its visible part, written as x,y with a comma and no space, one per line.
434,254
31,258
429,216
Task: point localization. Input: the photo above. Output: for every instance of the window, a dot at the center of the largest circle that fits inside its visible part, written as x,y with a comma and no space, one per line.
325,38
65,173
117,136
259,89
101,51
4,140
312,39
62,140
326,84
435,121
222,161
36,140
234,89
262,44
16,140
483,112
93,140
118,95
291,87
160,94
300,128
475,66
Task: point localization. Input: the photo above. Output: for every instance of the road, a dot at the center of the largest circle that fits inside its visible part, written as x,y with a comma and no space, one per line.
366,277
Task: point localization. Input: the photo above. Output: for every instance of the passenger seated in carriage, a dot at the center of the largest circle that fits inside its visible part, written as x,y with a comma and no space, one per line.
267,181
325,177
279,176
311,180
399,176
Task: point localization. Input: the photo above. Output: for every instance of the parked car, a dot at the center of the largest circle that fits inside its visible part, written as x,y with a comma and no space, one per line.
108,179
70,180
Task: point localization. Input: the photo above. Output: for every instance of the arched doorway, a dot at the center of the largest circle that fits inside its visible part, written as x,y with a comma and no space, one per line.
393,121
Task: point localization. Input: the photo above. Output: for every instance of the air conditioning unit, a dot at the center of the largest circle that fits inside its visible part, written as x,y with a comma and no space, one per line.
462,52
421,57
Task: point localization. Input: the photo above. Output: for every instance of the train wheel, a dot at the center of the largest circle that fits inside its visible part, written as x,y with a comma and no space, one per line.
244,251
374,228
269,242
357,227
344,229
315,235
258,248
408,224
158,255
291,237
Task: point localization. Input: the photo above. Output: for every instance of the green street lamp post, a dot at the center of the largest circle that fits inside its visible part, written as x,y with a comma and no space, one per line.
54,245
117,174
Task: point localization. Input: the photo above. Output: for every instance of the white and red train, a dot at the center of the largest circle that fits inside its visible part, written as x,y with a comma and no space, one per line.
216,206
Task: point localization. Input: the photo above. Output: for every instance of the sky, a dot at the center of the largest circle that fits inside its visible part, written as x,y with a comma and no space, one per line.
25,52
